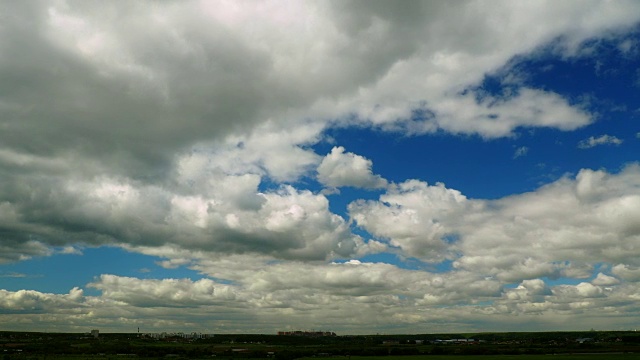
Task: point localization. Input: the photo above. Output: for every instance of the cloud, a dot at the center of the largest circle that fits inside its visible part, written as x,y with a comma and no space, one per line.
600,140
411,216
554,231
163,293
627,272
372,295
103,100
13,275
70,250
231,216
339,169
605,280
185,131
521,151
37,302
183,118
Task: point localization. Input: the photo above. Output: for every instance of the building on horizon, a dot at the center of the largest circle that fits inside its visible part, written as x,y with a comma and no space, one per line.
307,333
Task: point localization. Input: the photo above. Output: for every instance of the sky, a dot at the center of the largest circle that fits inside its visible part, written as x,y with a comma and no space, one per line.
350,166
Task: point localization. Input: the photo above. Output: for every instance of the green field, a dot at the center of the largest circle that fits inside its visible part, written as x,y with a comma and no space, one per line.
487,357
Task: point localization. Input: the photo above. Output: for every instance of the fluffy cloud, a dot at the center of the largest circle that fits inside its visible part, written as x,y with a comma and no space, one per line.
231,216
179,100
181,130
627,272
555,231
163,293
371,295
170,75
413,216
31,301
339,169
600,140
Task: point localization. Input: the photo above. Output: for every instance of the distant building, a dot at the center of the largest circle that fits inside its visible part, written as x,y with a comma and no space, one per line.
95,333
306,333
176,336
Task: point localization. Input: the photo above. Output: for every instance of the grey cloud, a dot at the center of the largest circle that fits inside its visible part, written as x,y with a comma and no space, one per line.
233,218
169,75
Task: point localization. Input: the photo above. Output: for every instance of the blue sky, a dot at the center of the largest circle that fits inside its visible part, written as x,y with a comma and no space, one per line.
415,167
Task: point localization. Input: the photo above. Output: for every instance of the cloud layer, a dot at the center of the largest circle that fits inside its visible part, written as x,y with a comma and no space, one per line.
186,131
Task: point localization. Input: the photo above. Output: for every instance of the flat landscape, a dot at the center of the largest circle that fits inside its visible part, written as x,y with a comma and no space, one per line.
530,346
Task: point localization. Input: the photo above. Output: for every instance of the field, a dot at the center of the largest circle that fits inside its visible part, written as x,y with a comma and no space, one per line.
504,346
491,357
417,357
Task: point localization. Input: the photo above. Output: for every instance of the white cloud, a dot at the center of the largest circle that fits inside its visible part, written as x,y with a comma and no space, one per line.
521,151
555,231
340,168
211,76
605,280
34,301
163,293
627,272
413,216
154,126
267,297
600,140
222,103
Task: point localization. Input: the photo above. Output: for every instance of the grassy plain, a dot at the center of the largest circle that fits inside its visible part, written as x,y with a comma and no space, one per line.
607,356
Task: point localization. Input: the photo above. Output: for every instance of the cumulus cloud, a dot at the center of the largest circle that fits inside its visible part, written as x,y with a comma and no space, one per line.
340,168
231,217
163,293
173,128
605,280
210,76
600,140
554,231
37,302
627,272
372,295
180,99
412,216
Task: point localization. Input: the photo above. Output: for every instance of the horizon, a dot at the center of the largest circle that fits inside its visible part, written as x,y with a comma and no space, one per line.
349,335
245,167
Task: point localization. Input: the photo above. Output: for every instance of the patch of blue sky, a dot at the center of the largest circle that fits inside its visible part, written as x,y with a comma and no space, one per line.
59,273
406,263
444,266
562,281
465,163
338,203
600,267
610,96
